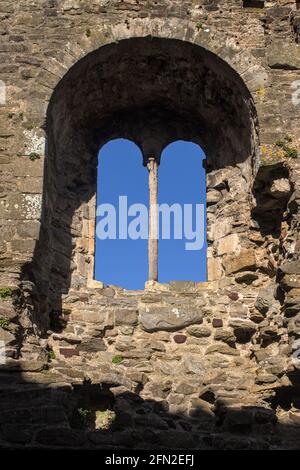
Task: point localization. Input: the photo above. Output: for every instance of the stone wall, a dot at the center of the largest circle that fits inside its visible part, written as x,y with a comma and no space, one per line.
250,40
182,365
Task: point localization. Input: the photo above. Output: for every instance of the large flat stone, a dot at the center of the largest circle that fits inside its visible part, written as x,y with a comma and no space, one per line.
92,345
169,318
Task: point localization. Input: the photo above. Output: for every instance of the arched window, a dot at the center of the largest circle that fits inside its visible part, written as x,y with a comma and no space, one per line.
95,103
182,187
123,215
122,182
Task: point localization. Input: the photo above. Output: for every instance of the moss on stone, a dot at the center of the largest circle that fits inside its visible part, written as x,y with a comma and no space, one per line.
289,151
6,292
4,322
117,359
51,355
33,156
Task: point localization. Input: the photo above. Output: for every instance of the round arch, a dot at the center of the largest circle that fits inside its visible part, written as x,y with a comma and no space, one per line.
152,91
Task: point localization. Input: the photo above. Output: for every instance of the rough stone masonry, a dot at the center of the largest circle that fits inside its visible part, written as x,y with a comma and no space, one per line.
182,365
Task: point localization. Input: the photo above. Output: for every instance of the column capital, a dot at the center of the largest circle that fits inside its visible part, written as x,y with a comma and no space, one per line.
150,162
151,158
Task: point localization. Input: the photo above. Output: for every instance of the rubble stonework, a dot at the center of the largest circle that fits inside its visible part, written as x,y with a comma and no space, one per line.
179,365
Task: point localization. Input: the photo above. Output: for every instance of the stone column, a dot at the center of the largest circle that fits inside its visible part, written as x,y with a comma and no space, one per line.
152,166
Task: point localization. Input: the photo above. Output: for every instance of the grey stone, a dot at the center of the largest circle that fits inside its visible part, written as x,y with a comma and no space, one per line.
92,345
186,388
225,335
264,378
199,331
241,323
193,364
290,267
160,389
265,300
126,317
169,318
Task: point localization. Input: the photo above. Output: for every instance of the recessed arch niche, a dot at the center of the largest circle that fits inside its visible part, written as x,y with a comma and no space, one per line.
151,91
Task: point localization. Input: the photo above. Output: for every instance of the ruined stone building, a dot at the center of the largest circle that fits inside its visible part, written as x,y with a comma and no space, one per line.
212,365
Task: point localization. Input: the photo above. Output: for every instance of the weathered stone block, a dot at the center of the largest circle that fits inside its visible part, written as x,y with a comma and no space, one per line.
264,378
193,364
199,331
126,317
30,185
92,345
291,267
228,244
183,286
23,246
265,300
186,388
160,389
242,323
28,229
169,318
240,262
220,228
225,335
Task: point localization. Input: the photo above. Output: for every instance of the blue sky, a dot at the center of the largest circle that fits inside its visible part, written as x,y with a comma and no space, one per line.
181,180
